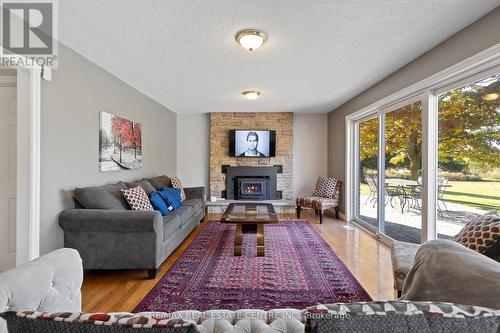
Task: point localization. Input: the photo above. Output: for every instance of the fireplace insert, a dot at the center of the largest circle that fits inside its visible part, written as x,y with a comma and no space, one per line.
252,188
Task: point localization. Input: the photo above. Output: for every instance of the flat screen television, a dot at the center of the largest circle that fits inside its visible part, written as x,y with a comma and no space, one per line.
252,143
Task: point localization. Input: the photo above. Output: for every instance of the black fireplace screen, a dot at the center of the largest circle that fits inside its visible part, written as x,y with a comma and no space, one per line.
253,188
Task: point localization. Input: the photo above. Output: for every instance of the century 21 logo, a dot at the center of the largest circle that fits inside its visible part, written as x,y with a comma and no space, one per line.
27,27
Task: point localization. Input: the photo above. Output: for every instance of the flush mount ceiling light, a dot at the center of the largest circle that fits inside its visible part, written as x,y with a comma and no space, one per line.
250,39
251,94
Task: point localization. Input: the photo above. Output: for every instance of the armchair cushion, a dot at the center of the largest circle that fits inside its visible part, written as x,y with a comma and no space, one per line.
315,202
326,187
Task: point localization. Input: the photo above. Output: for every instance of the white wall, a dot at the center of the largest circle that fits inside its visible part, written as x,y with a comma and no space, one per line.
193,149
309,151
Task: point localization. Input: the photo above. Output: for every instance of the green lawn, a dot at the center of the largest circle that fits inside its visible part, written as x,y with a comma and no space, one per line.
483,194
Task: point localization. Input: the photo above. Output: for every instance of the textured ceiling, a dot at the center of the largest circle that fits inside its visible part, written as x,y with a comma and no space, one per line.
319,54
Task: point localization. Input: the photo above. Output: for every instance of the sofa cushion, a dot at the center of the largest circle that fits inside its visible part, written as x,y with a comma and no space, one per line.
137,199
196,204
170,225
67,322
102,197
185,213
402,255
146,186
159,182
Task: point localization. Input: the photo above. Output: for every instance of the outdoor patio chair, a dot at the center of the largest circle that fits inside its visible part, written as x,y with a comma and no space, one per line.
414,196
442,183
392,192
372,186
325,196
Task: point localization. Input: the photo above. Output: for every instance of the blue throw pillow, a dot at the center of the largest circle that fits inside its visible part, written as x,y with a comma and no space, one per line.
171,195
159,204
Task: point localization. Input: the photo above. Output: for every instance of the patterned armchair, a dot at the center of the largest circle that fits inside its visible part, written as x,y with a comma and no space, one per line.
325,196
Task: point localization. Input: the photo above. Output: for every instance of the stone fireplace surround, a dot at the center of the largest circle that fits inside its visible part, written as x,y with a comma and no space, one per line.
220,125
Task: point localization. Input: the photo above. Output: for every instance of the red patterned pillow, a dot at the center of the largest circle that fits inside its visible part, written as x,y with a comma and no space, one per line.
30,321
137,198
482,234
326,187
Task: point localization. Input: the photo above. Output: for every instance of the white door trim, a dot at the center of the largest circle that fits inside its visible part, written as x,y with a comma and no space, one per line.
28,162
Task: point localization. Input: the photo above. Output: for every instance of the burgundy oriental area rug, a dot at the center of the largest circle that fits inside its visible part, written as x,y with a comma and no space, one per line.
299,270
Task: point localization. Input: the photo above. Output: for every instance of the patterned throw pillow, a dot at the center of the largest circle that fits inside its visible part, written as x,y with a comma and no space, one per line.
137,198
400,316
176,183
482,235
326,187
30,321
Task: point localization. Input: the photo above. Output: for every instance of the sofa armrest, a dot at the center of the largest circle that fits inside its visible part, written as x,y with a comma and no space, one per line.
110,220
446,271
195,192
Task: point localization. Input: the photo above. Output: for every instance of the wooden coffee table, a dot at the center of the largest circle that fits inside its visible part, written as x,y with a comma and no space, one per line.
249,217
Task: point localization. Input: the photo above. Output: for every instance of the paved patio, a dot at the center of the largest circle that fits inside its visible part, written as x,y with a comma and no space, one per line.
406,226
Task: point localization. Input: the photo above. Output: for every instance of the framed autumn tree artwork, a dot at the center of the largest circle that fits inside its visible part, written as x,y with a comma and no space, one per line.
120,143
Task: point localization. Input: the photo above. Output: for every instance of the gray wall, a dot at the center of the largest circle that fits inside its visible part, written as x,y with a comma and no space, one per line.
193,149
475,38
70,106
309,151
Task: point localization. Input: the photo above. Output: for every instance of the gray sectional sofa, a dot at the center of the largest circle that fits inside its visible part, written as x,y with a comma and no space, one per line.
109,235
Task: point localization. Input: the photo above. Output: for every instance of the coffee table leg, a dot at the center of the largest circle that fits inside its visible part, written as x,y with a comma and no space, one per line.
237,239
261,252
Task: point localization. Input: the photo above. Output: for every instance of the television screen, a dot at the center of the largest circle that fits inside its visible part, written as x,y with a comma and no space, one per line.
252,143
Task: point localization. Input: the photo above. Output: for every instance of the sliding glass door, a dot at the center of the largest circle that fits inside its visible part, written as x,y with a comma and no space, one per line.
403,173
392,209
422,165
469,154
367,173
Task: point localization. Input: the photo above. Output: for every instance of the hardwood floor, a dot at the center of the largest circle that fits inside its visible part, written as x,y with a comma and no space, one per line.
366,257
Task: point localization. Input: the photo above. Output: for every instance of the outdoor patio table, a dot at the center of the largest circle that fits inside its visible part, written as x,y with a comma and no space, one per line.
401,182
